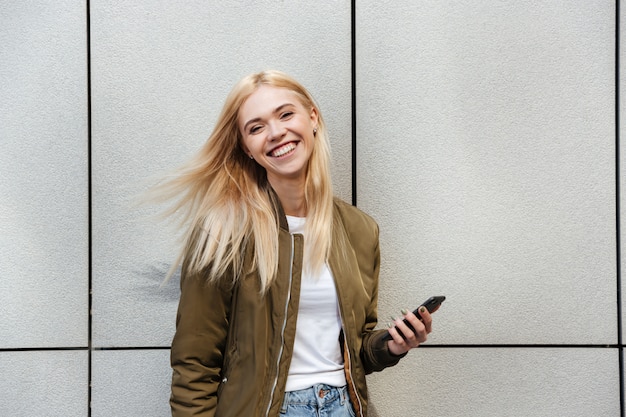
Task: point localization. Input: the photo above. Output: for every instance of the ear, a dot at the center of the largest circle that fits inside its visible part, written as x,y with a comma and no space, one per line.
314,117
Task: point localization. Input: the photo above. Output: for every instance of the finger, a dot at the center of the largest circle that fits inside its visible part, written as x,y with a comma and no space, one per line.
426,319
396,336
415,335
397,348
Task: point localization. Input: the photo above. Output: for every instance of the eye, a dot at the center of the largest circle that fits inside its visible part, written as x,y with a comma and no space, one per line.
286,115
255,129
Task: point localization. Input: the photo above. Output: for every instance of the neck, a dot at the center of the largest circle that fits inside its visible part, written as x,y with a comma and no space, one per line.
291,196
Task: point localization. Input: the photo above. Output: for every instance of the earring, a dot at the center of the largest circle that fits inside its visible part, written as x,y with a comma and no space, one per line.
314,131
251,157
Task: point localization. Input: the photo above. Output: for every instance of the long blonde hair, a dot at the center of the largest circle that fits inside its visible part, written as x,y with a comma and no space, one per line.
225,201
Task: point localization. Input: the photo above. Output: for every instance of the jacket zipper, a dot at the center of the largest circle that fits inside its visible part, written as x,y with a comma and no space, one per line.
282,331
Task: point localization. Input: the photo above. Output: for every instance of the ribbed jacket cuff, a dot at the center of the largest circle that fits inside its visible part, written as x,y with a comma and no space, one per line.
379,352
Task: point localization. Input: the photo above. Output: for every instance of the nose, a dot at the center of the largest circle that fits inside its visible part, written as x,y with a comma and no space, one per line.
275,131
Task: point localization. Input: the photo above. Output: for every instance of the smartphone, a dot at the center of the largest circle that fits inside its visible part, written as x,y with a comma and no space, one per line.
431,305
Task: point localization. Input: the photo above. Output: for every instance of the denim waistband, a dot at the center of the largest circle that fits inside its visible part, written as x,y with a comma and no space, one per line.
318,395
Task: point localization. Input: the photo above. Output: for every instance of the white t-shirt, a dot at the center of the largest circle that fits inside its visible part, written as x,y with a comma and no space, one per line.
317,355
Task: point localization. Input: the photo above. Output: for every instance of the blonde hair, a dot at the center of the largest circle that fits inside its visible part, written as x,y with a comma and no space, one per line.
225,201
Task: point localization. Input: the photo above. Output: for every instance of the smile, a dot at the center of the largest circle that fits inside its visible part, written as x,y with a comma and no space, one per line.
283,150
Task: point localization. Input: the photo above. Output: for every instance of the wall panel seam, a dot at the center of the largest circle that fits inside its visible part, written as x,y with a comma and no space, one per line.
89,211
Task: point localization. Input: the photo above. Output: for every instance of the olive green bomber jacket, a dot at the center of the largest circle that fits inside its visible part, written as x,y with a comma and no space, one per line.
232,347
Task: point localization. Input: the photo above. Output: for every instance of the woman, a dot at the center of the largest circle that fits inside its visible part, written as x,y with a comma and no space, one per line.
279,279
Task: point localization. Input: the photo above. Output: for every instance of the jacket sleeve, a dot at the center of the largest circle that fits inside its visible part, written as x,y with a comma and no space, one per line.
198,346
375,354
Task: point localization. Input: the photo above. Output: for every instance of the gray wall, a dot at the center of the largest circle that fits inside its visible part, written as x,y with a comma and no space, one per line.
485,148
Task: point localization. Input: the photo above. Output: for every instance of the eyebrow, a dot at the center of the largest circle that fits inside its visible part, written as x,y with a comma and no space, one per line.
276,110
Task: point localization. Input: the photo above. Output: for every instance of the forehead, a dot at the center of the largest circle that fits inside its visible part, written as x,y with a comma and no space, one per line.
266,99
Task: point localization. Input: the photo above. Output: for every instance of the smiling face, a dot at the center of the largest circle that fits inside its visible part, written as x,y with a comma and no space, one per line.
277,131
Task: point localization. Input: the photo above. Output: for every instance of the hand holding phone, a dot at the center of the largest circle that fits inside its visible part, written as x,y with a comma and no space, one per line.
432,304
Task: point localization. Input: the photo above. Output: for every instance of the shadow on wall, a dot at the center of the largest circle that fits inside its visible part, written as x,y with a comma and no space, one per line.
371,410
155,288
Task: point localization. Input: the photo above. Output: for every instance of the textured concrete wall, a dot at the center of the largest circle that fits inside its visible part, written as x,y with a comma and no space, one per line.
44,248
490,126
485,150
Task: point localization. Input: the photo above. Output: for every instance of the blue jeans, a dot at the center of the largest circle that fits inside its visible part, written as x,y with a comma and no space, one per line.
320,400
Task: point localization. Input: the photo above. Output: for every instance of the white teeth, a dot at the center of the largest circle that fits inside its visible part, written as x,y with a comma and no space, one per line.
284,150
